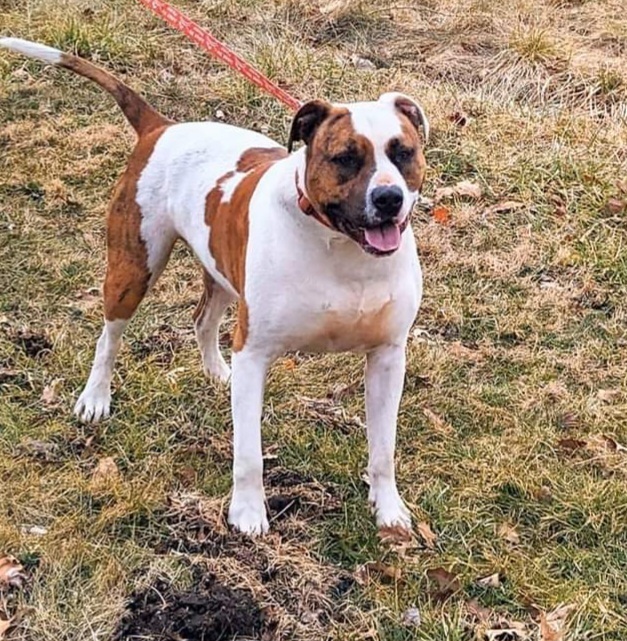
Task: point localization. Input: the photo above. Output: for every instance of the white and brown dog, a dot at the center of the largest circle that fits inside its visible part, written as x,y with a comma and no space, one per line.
314,245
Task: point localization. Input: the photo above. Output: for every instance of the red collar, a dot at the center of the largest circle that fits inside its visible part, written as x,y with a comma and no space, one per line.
308,209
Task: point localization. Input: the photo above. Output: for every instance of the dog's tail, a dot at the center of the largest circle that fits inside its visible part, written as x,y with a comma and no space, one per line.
138,112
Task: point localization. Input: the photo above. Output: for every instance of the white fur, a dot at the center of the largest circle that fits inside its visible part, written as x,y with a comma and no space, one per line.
32,50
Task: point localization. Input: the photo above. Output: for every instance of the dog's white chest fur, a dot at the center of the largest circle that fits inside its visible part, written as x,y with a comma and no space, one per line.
321,293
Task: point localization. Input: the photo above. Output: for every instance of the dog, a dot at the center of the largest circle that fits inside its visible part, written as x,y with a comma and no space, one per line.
315,245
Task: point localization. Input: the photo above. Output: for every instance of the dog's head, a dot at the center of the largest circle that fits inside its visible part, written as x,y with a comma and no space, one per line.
364,165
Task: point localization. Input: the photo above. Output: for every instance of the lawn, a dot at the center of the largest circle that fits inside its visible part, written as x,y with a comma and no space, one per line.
514,416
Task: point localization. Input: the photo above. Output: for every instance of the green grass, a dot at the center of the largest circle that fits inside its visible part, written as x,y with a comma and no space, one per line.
520,341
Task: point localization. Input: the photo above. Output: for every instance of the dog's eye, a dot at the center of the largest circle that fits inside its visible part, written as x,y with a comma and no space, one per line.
347,160
403,155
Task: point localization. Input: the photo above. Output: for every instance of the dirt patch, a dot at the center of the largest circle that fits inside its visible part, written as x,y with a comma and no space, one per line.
300,596
209,611
160,347
293,494
34,344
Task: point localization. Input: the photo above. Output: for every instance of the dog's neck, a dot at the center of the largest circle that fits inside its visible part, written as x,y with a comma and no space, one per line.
294,197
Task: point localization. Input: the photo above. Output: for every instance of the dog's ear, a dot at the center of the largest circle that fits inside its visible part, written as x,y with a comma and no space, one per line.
410,108
306,121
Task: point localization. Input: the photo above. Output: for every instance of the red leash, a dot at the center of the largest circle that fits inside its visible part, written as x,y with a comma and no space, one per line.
206,41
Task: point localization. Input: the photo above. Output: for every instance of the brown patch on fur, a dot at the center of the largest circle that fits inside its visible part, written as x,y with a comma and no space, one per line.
241,329
258,155
138,112
324,181
228,223
357,330
207,293
127,277
413,171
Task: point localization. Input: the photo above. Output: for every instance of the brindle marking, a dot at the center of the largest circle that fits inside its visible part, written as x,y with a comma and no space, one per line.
413,169
337,188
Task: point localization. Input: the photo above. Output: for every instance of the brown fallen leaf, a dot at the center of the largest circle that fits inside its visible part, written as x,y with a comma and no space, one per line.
553,624
427,534
11,572
442,215
508,532
50,394
437,422
443,192
104,473
507,205
548,632
367,570
42,450
543,493
616,206
395,535
462,188
469,189
561,613
559,205
478,611
492,581
328,412
447,582
608,395
571,444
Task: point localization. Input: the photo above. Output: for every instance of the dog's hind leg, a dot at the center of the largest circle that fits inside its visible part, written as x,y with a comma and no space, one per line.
207,316
137,252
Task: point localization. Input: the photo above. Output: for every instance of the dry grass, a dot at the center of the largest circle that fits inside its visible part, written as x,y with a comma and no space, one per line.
520,344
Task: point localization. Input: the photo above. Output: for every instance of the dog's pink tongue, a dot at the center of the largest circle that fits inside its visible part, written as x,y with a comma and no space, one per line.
385,238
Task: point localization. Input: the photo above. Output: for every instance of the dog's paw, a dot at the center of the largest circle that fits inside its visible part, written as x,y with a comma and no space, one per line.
93,404
248,515
390,511
217,369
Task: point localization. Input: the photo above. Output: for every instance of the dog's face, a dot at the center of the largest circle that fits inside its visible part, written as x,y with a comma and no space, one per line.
365,166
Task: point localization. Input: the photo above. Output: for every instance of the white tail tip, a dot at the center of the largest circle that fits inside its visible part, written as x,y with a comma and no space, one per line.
32,49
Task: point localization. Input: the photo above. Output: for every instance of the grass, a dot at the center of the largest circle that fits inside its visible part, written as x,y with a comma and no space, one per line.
516,366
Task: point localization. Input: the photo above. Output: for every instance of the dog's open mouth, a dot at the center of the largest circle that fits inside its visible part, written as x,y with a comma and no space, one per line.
383,239
379,240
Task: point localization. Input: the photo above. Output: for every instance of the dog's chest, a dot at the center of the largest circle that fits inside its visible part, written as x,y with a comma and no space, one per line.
317,312
355,321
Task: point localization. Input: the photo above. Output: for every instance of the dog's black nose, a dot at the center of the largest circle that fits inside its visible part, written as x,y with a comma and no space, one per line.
388,200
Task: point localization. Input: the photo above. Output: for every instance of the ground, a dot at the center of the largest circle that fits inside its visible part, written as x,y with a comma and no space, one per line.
515,406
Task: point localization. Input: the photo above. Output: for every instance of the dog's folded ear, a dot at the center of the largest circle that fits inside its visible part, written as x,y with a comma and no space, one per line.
306,121
410,108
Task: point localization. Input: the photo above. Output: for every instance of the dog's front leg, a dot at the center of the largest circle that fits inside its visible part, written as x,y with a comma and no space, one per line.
385,372
247,512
